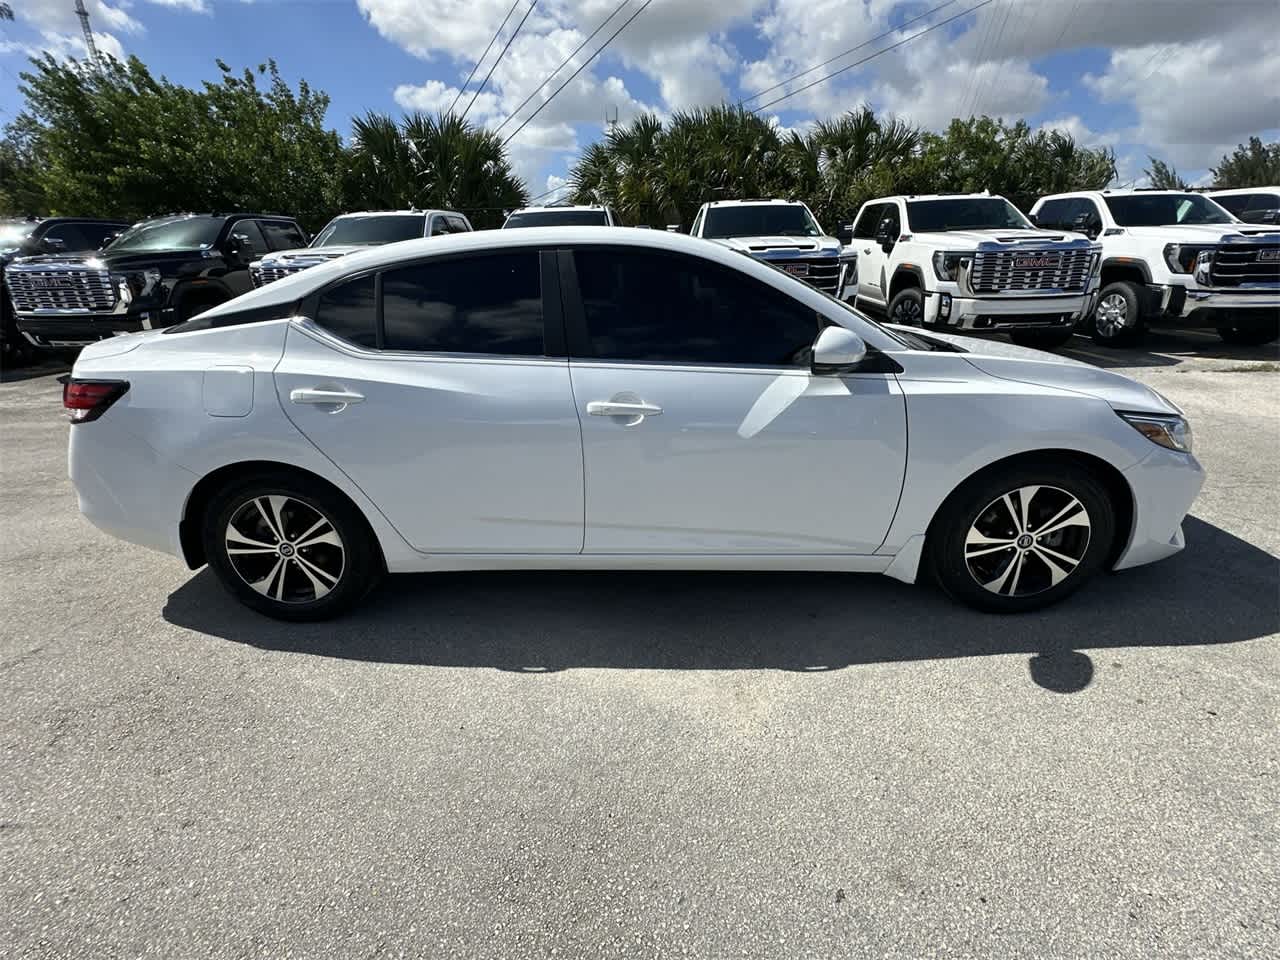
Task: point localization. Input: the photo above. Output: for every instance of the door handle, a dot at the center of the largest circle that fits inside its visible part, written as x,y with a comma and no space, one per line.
620,408
339,398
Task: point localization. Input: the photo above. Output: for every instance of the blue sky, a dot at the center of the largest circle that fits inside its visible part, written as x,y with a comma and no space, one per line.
1180,79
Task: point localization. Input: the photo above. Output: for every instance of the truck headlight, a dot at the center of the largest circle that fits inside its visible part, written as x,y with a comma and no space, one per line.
1169,431
946,264
1181,258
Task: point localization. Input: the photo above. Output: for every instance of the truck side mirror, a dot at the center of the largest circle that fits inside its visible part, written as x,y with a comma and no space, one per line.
1087,225
885,239
845,233
52,245
1035,219
109,239
238,247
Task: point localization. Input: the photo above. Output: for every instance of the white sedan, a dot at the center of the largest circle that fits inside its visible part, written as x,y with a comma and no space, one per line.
604,398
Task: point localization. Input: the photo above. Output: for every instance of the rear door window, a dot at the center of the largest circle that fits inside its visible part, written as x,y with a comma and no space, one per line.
249,230
349,311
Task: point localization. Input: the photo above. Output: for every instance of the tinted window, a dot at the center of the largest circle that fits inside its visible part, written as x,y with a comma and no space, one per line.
761,220
1236,203
481,304
371,230
1165,209
1264,201
441,225
95,233
964,213
458,225
281,235
642,305
868,220
347,311
1052,213
1067,214
249,230
70,236
557,218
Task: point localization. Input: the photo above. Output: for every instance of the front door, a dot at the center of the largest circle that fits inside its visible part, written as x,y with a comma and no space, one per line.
452,419
703,430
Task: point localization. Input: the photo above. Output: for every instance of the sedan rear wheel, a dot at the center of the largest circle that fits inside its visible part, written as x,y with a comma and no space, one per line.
1007,542
290,548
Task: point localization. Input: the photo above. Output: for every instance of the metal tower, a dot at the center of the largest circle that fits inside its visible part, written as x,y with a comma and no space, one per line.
83,14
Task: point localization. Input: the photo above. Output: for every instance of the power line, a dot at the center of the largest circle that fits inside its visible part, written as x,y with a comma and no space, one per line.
978,59
501,54
563,63
984,83
865,43
492,41
857,63
584,66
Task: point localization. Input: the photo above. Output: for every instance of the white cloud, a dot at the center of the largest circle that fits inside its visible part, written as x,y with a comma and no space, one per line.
195,6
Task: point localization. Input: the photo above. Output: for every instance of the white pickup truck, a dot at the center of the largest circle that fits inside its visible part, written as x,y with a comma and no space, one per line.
783,233
1174,258
973,262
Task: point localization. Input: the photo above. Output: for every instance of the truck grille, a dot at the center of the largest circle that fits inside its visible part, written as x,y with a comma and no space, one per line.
820,272
65,288
263,273
261,276
1029,270
1236,264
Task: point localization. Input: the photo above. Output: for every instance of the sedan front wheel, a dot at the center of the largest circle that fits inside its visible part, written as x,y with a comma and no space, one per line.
1024,538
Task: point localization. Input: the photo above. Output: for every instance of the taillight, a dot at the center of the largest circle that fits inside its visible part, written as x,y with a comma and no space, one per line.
87,400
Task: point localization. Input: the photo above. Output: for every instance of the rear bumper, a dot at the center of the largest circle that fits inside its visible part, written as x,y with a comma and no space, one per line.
1005,313
74,330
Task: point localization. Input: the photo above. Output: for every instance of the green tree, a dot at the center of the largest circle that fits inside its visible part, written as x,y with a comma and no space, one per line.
1250,165
1164,176
423,161
6,12
114,140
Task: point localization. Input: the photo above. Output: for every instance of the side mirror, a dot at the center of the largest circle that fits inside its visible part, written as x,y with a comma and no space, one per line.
845,234
837,350
238,247
50,245
1035,219
1084,224
885,239
108,240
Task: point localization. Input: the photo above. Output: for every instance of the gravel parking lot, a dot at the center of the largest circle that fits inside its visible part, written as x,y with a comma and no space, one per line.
648,765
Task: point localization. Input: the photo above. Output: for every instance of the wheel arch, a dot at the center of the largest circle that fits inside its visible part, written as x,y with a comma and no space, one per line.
1118,491
1125,268
189,527
905,277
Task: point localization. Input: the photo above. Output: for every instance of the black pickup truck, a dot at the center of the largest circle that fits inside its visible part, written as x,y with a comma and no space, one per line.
157,273
25,238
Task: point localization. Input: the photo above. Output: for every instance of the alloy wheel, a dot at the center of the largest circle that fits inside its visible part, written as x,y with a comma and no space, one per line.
1112,315
285,548
907,312
1027,541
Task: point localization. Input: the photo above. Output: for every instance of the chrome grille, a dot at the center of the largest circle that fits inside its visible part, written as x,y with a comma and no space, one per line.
1009,271
35,289
1236,264
820,272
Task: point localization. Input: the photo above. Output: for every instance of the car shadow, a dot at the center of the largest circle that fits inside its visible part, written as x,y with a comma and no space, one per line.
42,367
1220,590
1166,348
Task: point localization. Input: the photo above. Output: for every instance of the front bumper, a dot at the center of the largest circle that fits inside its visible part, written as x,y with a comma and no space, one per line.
1005,313
1164,486
77,329
1197,306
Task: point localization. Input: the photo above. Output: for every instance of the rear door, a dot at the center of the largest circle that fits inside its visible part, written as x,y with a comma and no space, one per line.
442,390
704,431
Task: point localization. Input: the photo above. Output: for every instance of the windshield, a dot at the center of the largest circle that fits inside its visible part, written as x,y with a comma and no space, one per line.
371,231
178,233
12,235
967,213
557,218
762,220
1165,209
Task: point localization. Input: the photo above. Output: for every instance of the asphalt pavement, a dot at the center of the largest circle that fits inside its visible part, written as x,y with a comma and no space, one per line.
648,764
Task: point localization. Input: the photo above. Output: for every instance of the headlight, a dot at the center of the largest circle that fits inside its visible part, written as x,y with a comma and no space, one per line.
946,264
1170,432
1182,258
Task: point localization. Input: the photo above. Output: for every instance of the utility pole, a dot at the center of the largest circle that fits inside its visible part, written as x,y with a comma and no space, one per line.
83,14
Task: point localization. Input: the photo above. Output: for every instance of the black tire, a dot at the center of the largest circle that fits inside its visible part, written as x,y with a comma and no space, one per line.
1119,316
194,306
289,578
1251,334
907,307
978,505
1041,339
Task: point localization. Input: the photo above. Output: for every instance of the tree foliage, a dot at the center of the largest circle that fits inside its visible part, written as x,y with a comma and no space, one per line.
1164,176
440,161
1250,165
654,173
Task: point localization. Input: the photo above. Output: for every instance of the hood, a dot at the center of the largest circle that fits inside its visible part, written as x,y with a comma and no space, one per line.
1201,232
763,246
118,262
960,239
310,256
1008,361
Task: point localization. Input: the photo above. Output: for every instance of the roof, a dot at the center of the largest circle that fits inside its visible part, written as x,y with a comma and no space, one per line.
292,288
394,213
1236,191
561,208
1118,192
755,202
939,196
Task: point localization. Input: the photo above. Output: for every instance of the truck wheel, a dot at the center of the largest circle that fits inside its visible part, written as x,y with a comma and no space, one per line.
1251,335
1117,319
907,307
1041,339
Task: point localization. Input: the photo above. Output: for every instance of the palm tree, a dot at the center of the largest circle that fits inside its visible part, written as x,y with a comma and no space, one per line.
440,161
